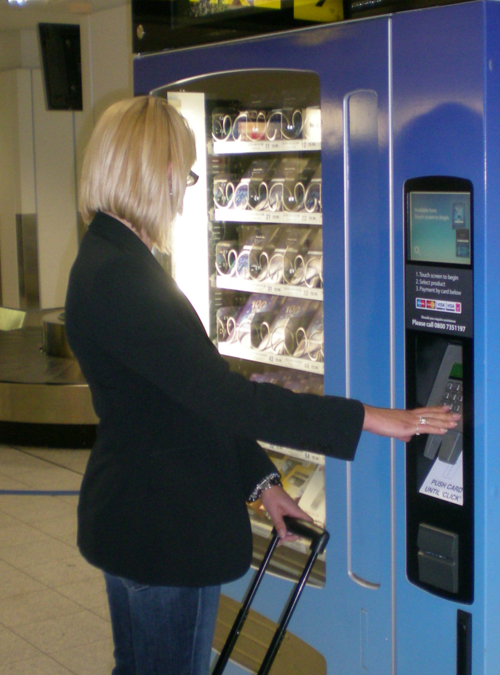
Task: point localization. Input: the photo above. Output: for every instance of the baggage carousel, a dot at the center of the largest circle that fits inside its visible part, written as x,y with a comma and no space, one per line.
44,398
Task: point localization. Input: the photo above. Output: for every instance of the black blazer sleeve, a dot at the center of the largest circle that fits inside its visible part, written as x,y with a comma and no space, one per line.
139,315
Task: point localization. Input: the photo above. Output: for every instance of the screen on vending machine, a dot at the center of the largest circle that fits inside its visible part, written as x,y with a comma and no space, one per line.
440,229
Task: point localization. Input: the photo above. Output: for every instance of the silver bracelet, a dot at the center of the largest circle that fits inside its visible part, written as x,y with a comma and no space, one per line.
268,482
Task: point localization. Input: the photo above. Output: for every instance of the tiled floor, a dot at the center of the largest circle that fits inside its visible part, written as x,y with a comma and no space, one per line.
53,613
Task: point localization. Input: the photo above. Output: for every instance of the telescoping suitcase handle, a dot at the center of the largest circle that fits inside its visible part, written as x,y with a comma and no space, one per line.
319,539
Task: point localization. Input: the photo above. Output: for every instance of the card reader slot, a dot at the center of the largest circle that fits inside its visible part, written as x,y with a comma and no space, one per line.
438,557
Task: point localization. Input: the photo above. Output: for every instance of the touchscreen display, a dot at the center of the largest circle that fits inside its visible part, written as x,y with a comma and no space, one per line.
440,227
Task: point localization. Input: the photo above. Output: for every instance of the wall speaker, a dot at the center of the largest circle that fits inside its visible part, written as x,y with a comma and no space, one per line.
62,65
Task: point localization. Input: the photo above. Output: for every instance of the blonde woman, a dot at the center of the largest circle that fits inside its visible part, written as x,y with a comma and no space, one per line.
162,508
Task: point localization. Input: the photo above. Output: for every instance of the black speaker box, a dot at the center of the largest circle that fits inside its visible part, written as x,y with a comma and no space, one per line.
62,65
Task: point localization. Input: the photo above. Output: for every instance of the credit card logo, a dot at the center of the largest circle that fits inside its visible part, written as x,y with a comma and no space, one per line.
439,306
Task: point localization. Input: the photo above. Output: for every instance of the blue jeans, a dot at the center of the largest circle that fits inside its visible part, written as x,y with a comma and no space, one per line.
161,630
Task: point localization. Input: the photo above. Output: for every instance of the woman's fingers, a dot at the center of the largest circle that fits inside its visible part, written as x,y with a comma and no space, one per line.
277,504
434,420
403,424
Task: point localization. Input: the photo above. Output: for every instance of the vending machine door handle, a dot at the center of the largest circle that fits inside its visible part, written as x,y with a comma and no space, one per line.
352,575
365,100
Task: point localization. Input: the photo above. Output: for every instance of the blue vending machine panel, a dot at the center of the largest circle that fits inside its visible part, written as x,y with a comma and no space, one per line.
445,82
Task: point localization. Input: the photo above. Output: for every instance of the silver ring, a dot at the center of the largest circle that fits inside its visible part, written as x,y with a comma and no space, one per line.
417,432
422,420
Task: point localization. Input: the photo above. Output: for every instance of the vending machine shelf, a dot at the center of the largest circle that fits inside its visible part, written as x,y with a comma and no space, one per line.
299,454
238,352
274,217
251,286
264,146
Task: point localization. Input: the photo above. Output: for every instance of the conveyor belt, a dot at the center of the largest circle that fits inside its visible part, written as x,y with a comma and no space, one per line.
22,360
37,389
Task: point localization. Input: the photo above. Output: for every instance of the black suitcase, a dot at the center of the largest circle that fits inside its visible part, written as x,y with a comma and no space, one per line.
319,539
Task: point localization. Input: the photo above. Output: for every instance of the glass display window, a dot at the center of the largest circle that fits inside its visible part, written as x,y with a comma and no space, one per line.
248,249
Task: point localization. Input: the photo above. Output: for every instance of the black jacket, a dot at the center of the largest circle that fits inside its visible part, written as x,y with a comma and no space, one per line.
163,497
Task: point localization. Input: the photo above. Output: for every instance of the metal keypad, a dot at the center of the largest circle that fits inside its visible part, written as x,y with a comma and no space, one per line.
453,395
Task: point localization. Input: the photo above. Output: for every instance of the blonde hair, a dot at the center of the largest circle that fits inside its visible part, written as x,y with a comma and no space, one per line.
136,165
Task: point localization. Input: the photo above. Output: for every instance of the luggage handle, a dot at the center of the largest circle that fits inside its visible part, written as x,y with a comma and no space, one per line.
319,539
303,528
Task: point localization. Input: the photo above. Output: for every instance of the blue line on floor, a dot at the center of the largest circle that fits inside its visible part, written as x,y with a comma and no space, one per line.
50,493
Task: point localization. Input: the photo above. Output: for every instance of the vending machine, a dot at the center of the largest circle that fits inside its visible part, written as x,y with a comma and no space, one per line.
342,239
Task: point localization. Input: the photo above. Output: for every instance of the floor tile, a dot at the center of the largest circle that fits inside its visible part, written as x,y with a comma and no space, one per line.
54,618
16,533
13,462
46,550
61,573
58,527
32,508
28,608
90,593
72,500
12,484
76,460
14,582
70,540
99,661
66,632
42,665
6,520
13,648
52,478
102,611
